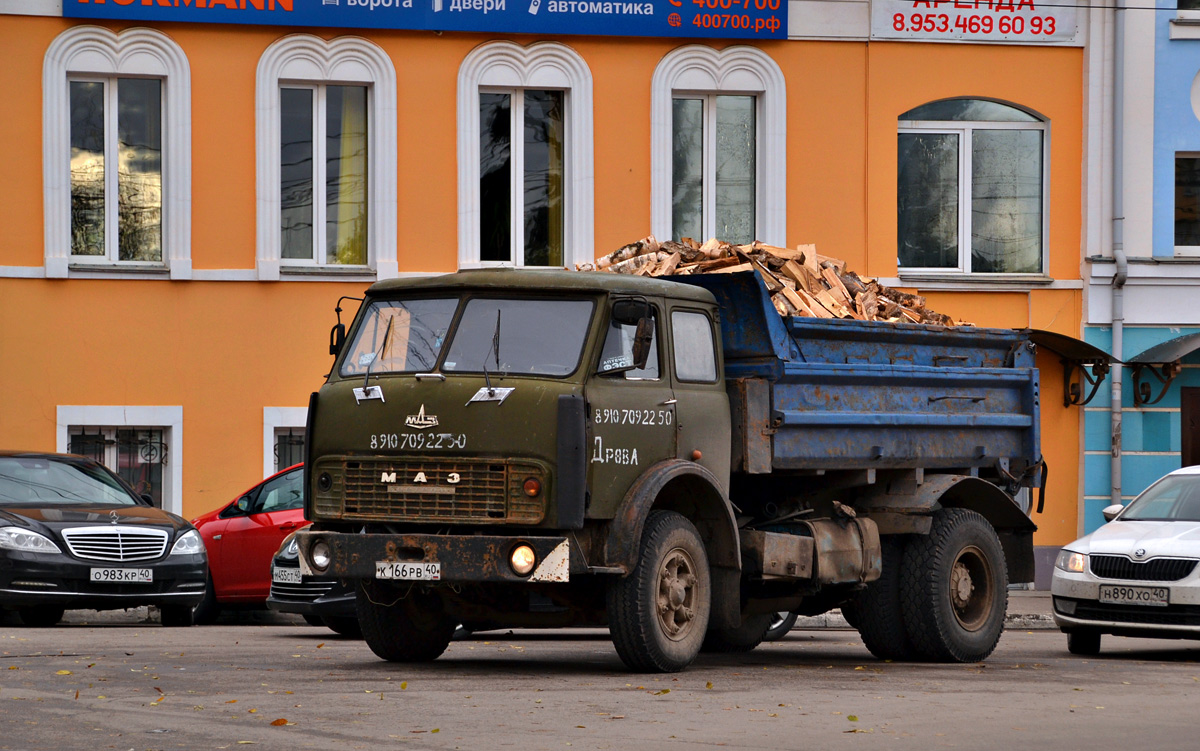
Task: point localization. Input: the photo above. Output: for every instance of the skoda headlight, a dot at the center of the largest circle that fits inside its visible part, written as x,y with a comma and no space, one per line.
1069,560
189,543
288,549
14,538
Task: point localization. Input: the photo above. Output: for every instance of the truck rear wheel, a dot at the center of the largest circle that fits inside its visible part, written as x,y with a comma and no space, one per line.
955,591
402,624
876,611
658,614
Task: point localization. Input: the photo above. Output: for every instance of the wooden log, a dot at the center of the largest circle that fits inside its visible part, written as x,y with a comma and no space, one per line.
631,265
819,310
836,288
732,269
632,250
798,302
668,266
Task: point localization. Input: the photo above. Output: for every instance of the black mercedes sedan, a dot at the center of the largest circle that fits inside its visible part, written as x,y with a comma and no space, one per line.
75,535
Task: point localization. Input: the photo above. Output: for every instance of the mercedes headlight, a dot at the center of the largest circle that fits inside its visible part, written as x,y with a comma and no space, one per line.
189,543
14,538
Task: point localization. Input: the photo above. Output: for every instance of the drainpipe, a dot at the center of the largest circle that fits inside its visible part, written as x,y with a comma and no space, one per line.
1118,240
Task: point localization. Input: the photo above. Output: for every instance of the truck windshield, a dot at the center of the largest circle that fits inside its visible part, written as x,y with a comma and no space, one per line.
530,337
400,336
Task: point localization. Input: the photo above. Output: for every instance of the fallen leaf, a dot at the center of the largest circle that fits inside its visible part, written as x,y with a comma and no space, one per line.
708,685
63,672
852,718
660,693
320,645
280,722
159,690
252,711
404,685
232,701
76,694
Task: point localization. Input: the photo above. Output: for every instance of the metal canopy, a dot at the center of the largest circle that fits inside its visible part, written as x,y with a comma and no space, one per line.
1076,354
1162,362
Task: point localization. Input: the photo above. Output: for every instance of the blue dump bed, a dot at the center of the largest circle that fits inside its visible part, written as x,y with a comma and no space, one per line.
811,393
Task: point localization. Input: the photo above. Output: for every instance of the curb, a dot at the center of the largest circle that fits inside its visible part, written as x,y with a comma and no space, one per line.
834,620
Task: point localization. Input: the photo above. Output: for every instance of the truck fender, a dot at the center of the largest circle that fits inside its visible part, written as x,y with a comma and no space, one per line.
963,491
695,492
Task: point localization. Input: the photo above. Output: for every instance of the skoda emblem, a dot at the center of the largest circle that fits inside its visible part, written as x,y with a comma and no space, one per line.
114,516
1139,554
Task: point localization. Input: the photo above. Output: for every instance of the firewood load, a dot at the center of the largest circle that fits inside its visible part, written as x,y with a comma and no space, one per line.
801,282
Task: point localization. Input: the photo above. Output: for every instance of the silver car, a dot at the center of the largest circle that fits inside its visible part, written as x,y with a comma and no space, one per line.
1136,575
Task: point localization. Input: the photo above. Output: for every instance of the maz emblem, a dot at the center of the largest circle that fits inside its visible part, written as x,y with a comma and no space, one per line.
389,477
420,420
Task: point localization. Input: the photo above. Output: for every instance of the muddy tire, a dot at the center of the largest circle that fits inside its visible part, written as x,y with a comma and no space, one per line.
402,624
176,616
744,638
955,589
1084,642
40,616
876,611
658,614
343,625
208,610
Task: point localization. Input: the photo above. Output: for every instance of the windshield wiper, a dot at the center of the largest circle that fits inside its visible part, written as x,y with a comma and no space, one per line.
495,348
379,352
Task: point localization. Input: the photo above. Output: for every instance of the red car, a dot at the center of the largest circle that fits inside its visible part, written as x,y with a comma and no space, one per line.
242,538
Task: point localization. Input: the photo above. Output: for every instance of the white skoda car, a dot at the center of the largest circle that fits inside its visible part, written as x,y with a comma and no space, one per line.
1136,575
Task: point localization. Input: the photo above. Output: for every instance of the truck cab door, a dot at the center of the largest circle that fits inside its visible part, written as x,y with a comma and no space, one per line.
702,404
631,417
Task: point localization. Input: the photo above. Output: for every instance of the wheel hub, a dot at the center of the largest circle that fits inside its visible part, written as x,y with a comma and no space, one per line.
971,588
676,596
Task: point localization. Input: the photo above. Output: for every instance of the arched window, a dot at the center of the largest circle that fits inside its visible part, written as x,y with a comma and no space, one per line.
718,153
116,114
525,183
326,135
972,189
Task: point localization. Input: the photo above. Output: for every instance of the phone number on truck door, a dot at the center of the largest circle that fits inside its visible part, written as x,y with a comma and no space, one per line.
634,417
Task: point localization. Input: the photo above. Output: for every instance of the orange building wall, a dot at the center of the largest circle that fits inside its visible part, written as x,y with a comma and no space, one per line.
224,350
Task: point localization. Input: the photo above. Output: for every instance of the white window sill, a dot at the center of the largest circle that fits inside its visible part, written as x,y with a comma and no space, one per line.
1186,25
328,272
118,271
980,282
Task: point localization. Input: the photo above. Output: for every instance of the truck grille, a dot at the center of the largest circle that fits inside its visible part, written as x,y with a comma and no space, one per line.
423,490
116,543
1156,570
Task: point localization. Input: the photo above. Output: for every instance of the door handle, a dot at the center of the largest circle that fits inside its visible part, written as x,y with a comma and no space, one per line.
216,537
288,525
669,401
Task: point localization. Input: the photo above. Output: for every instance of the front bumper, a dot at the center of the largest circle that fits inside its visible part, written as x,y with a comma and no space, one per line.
1076,598
463,558
314,595
28,579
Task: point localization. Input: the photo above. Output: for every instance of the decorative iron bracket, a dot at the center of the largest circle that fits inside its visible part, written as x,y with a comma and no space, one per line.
1073,392
1163,373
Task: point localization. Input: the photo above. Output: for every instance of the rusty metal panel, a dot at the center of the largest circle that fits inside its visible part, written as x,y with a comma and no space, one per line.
846,550
778,555
750,418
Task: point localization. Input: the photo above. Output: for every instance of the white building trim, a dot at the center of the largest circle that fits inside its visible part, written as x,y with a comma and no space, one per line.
84,50
304,58
545,65
169,419
734,70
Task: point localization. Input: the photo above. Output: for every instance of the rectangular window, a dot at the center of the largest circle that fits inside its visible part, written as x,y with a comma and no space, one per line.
714,167
522,180
289,447
138,455
1187,200
323,175
695,353
116,214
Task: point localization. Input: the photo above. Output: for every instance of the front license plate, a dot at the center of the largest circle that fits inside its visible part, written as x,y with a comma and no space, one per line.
140,575
1117,595
285,575
408,571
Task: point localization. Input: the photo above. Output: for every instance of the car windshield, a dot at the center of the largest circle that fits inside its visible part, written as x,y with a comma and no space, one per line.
399,336
1173,498
530,337
43,480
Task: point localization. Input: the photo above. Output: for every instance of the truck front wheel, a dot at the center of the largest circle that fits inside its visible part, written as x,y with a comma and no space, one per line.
402,624
955,589
658,614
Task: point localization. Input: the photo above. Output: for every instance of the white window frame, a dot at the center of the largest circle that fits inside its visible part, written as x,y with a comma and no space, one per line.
167,419
1181,251
697,70
274,420
964,129
302,61
507,67
94,53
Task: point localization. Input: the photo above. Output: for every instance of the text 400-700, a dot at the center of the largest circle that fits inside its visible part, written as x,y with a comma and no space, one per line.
942,23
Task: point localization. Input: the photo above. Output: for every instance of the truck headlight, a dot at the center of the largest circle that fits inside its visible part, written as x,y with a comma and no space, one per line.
1069,560
522,559
320,555
12,538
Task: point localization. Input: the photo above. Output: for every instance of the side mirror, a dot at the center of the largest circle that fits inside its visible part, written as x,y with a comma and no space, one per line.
149,499
337,337
1110,512
629,311
642,340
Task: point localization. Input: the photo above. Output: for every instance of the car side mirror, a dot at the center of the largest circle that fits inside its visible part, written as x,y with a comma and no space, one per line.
337,337
630,311
1110,512
149,499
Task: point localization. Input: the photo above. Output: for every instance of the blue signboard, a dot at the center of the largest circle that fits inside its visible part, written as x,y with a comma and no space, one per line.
726,19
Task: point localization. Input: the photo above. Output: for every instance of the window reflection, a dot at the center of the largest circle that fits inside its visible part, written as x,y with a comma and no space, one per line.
87,168
139,163
543,178
687,168
734,179
495,181
296,172
714,167
346,175
928,200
